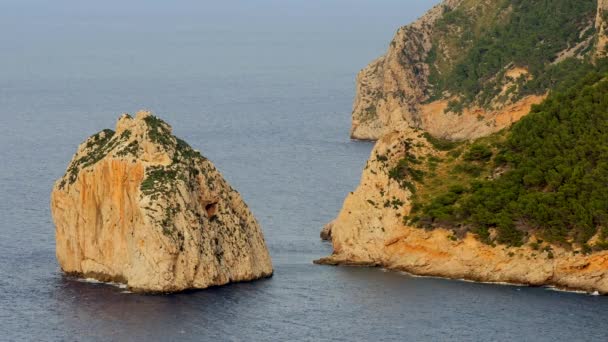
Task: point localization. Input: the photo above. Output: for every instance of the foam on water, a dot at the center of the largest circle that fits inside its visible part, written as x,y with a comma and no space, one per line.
95,282
559,289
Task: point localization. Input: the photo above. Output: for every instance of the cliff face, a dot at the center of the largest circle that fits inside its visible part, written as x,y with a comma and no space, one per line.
140,206
414,82
389,90
601,25
370,231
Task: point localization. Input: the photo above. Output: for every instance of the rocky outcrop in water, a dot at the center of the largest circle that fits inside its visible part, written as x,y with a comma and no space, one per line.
140,206
601,25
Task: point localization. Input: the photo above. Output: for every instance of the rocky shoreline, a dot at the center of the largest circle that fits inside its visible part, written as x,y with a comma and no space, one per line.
122,283
369,231
577,274
329,261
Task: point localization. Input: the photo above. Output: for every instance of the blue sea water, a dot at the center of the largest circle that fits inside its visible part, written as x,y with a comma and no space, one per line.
264,89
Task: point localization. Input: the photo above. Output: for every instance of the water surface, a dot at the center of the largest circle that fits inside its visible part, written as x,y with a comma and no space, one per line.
264,89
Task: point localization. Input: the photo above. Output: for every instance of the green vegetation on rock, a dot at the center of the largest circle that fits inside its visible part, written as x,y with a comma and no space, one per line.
98,146
157,179
441,144
484,39
405,173
159,131
547,175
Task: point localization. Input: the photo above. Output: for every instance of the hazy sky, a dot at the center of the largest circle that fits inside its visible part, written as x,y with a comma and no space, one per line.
47,39
214,9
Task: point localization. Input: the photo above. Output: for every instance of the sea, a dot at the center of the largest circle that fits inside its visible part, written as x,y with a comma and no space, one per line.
264,89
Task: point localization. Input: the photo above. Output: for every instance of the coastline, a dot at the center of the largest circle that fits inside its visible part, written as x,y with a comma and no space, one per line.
552,286
369,231
123,285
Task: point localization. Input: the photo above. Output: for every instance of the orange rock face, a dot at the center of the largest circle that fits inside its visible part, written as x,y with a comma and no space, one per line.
392,91
369,232
141,207
474,122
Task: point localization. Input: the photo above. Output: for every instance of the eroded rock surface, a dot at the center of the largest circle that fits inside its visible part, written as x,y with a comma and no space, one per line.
391,88
397,89
140,206
370,231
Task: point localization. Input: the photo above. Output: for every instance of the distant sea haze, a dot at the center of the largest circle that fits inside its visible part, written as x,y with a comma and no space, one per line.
264,89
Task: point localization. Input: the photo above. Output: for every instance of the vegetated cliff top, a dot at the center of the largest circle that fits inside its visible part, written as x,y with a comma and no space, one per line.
490,163
455,72
480,46
477,60
145,138
546,176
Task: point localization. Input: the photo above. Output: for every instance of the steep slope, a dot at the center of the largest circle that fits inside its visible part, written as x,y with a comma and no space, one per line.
141,207
469,68
463,182
525,205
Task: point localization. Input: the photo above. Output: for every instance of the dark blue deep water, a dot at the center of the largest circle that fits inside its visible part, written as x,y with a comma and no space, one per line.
264,89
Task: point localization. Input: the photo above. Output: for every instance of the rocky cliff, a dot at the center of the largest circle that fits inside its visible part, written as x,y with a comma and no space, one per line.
601,25
391,88
370,231
140,206
437,76
441,104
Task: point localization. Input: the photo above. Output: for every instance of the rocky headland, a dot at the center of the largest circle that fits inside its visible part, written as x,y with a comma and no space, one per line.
407,85
441,103
370,231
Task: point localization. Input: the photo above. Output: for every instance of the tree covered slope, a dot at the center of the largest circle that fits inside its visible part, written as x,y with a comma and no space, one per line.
463,69
547,175
476,43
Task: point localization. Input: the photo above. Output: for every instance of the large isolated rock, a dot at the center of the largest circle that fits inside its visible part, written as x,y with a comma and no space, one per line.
141,207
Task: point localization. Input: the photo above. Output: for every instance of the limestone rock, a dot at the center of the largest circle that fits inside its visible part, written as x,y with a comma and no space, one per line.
326,232
601,25
140,206
395,90
370,231
389,90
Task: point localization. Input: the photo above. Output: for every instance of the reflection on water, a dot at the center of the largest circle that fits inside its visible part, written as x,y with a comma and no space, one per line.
304,300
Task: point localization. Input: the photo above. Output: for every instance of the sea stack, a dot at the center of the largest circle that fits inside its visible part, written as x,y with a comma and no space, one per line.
139,206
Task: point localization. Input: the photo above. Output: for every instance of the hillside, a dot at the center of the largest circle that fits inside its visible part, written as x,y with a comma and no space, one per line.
546,176
515,195
526,205
469,68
